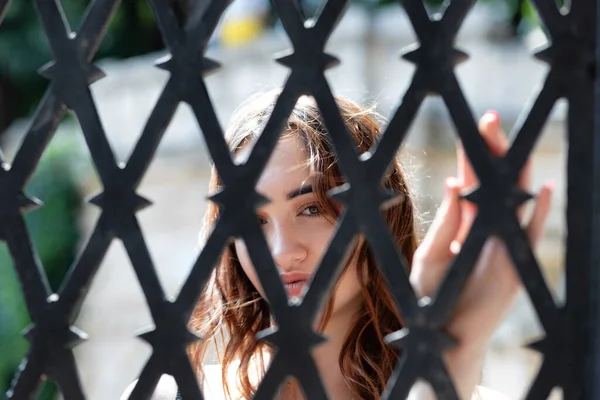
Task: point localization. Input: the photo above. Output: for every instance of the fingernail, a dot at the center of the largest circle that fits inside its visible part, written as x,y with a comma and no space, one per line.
490,125
496,138
493,113
449,184
455,247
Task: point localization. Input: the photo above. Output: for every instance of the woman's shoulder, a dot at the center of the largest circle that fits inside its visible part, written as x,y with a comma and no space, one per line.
213,387
484,393
165,390
213,382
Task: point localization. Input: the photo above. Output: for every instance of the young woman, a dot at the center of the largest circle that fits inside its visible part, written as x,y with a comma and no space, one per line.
298,223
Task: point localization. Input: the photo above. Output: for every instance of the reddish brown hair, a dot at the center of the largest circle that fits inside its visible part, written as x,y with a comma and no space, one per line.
231,308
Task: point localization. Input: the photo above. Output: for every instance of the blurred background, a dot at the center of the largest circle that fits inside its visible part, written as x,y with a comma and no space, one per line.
499,35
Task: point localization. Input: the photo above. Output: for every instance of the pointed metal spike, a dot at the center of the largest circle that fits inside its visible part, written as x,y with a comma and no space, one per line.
474,196
95,75
546,54
316,339
340,193
270,335
538,345
97,199
27,203
521,196
76,337
446,341
330,61
412,53
191,337
266,334
287,60
459,57
391,199
222,198
398,338
142,203
48,70
260,200
343,197
209,66
29,331
216,197
165,63
148,336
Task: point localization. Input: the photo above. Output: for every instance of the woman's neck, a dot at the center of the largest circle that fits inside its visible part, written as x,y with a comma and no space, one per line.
327,355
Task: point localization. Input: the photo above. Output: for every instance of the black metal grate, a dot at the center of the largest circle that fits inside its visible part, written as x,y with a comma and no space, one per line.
571,57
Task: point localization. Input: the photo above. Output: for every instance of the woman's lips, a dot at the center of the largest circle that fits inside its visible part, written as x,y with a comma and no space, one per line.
294,282
294,289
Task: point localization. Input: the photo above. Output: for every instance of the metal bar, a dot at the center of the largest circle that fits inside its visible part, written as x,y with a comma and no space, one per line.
592,372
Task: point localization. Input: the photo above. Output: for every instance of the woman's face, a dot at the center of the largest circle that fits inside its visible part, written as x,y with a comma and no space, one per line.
297,232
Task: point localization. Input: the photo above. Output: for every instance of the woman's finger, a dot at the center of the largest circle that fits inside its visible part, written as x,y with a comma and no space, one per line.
436,245
497,143
493,134
464,171
524,181
535,228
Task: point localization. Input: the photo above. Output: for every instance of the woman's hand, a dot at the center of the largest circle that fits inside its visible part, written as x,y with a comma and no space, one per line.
492,287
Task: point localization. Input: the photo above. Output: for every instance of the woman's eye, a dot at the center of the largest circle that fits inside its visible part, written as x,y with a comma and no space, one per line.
261,220
311,211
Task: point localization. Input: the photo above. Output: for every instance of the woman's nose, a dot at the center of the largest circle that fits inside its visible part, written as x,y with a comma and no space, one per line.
287,249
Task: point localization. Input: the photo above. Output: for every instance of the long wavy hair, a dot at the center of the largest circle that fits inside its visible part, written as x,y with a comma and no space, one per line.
231,311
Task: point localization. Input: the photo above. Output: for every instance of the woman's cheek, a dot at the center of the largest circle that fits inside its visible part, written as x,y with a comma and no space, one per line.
348,293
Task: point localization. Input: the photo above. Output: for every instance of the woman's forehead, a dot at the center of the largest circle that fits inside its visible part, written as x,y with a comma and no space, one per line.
290,149
288,167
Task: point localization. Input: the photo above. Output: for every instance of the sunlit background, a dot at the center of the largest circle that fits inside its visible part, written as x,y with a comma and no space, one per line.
501,74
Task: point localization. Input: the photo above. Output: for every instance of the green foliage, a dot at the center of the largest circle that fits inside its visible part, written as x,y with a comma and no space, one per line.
25,48
54,232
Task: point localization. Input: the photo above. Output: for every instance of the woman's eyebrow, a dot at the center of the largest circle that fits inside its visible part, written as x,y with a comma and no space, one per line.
300,191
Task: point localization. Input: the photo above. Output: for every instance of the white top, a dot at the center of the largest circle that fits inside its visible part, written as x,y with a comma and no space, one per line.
213,388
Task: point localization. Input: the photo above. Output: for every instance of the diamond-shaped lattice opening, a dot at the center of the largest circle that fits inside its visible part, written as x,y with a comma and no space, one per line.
257,45
177,184
499,74
311,8
243,24
113,312
509,367
428,156
125,99
367,42
550,165
14,315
